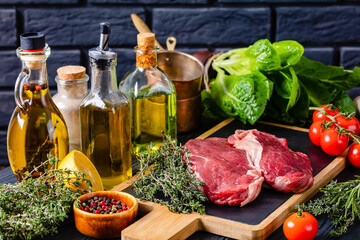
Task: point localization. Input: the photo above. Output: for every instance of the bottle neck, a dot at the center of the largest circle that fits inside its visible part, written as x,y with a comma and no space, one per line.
146,58
34,64
37,73
72,88
103,76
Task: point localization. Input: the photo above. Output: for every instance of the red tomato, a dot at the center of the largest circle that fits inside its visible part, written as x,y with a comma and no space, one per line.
333,143
315,133
303,227
351,124
354,155
318,116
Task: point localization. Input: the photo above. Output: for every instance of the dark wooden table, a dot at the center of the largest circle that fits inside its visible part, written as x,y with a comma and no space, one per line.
68,231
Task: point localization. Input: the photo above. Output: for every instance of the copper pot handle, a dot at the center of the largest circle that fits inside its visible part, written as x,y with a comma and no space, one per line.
171,43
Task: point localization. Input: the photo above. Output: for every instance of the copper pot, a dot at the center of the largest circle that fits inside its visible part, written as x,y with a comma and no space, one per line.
185,71
188,114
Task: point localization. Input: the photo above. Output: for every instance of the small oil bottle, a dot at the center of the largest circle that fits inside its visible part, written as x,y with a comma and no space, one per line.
152,97
105,117
36,126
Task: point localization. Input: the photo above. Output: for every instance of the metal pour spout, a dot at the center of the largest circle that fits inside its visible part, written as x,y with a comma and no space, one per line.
104,36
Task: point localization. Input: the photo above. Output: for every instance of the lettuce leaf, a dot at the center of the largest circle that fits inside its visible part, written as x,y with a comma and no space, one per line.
210,110
297,115
244,96
287,86
261,56
290,52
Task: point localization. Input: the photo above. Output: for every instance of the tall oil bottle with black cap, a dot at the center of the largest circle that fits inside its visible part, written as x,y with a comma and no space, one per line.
36,126
105,117
152,96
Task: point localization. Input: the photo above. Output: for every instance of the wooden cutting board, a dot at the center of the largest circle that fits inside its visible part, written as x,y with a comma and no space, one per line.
256,220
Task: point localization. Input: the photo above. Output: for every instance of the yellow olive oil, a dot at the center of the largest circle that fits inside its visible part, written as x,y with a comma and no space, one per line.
36,131
153,116
105,139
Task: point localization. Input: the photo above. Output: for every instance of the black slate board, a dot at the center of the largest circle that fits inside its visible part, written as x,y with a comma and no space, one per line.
268,200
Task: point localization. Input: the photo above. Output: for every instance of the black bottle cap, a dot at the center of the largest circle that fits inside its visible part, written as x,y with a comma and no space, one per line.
104,28
32,41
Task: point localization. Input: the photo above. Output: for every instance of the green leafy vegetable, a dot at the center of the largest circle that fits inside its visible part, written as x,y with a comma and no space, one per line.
287,86
168,171
345,102
210,109
289,51
330,75
244,96
246,77
264,56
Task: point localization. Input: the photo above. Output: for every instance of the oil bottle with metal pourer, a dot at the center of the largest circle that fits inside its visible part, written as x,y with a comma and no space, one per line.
105,117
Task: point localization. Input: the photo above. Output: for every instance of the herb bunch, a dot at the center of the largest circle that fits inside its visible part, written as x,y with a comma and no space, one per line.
168,171
340,201
36,206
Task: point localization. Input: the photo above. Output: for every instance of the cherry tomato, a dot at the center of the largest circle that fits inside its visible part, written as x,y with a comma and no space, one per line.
318,116
315,133
351,124
304,227
332,142
354,155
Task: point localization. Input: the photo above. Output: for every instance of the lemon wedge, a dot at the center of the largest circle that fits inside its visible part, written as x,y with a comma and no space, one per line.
76,160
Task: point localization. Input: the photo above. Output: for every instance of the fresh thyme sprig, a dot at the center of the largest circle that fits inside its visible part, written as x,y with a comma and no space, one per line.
168,171
36,206
340,201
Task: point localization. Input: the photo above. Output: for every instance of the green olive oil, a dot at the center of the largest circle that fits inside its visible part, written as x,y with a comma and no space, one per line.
153,116
152,97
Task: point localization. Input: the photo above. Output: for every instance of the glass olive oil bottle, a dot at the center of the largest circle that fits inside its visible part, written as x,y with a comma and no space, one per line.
36,126
152,98
105,117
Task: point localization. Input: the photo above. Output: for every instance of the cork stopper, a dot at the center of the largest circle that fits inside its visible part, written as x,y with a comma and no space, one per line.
146,41
71,72
146,56
34,62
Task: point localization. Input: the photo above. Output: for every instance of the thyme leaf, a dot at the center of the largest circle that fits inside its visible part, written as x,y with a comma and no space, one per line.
168,172
35,207
340,201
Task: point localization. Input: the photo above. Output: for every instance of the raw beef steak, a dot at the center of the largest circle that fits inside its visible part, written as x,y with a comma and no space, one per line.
229,177
283,169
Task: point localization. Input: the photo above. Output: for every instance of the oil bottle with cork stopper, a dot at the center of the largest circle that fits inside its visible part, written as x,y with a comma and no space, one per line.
152,97
36,126
105,117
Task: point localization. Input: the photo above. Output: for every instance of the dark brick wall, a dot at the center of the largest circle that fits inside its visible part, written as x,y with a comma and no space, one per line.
329,30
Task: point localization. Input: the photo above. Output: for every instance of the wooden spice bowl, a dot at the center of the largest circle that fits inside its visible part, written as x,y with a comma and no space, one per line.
103,226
